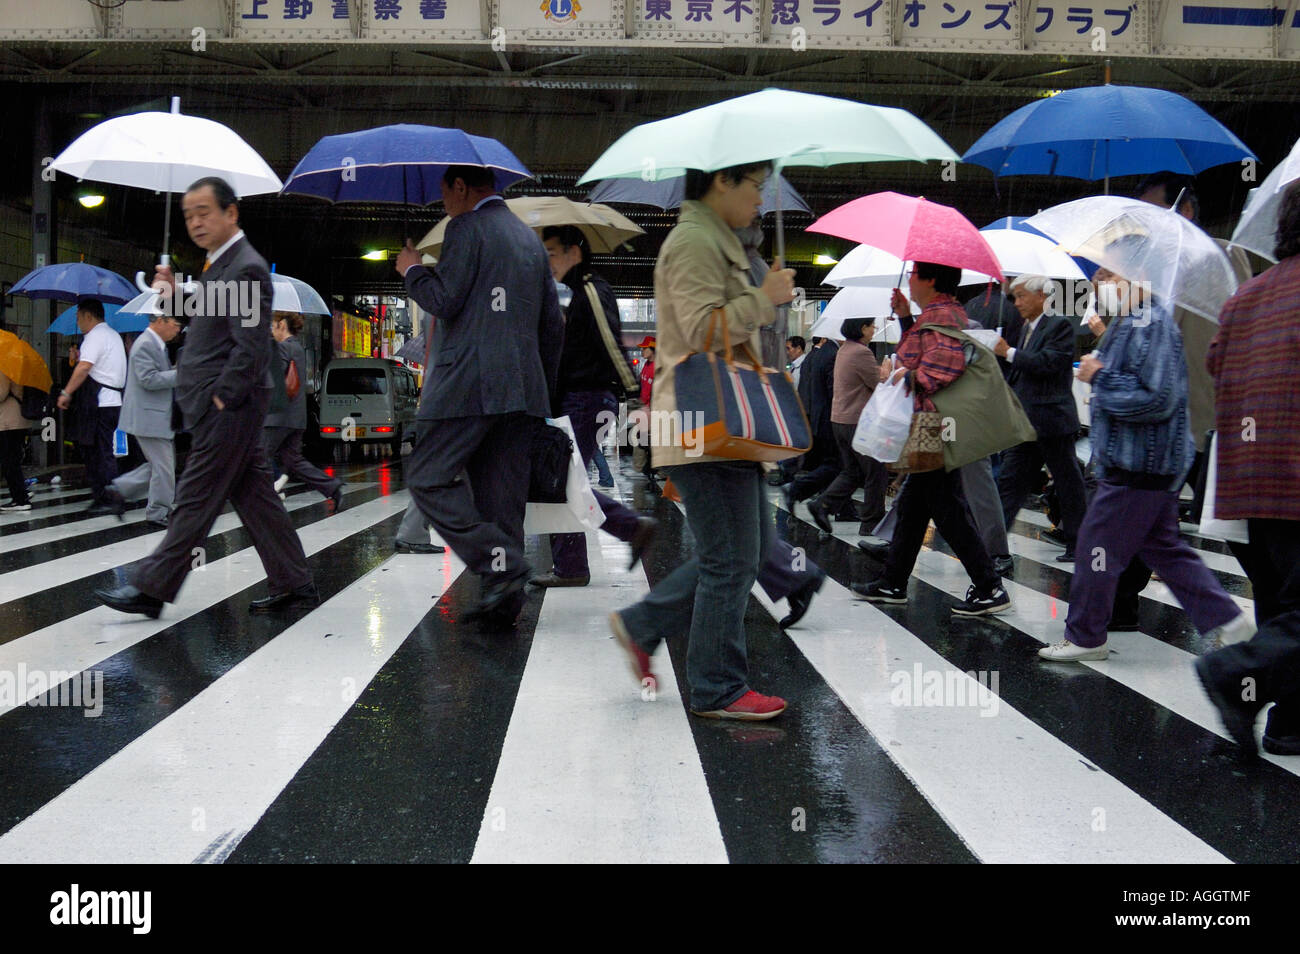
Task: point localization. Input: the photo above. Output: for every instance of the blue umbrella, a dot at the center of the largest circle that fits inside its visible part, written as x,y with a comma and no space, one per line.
1103,131
75,281
669,193
402,164
118,318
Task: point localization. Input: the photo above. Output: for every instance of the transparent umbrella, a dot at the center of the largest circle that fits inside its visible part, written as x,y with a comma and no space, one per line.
1257,230
1145,243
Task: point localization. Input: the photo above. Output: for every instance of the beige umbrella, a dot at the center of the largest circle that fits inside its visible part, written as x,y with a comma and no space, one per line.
604,228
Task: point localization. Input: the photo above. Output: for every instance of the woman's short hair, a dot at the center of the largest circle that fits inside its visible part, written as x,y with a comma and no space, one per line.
698,182
290,318
1288,224
853,329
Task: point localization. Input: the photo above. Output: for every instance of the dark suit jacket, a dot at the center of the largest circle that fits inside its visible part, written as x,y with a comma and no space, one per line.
1042,375
227,349
817,387
498,329
295,415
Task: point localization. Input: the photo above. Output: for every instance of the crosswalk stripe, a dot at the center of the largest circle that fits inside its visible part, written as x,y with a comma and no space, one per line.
590,772
222,758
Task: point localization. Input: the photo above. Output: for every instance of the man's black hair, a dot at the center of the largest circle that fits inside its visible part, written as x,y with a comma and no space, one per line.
220,188
945,277
1170,185
1288,224
476,177
854,328
698,183
797,342
93,307
570,236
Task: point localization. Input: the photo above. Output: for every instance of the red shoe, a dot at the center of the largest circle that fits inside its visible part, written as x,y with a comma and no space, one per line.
750,707
638,657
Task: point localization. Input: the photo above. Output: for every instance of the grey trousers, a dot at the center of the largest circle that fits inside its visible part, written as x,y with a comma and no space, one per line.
155,478
415,526
981,492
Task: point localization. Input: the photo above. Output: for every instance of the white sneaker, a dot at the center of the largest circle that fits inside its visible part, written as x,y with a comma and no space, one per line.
1066,651
279,484
15,508
1237,630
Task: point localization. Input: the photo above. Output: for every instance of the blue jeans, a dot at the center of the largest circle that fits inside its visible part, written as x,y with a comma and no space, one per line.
602,468
707,595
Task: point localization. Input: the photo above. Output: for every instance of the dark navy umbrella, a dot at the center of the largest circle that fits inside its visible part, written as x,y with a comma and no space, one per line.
75,281
1103,131
402,164
670,193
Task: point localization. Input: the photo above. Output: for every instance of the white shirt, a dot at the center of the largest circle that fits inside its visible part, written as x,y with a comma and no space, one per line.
1029,333
213,256
102,347
794,368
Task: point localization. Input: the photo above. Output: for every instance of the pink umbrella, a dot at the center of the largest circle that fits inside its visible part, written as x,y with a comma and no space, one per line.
913,229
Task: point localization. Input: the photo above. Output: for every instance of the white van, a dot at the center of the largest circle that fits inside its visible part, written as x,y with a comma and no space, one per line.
368,401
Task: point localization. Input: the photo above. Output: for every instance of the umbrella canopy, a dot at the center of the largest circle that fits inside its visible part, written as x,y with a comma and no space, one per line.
75,281
166,152
123,323
670,193
402,164
293,295
1145,243
868,267
20,363
1024,253
913,229
792,129
1102,131
604,228
1257,230
859,303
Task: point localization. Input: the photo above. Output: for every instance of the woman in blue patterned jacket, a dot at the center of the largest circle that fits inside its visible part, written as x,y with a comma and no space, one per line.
1142,450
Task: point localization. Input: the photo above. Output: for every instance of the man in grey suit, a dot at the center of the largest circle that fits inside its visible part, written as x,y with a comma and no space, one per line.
495,358
223,387
147,413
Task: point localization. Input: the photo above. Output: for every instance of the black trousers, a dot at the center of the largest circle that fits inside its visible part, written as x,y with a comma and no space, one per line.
285,444
1272,656
101,465
1019,475
856,470
481,519
936,495
226,462
11,461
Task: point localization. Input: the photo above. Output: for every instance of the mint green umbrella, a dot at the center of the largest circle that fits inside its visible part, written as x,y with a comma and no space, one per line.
788,128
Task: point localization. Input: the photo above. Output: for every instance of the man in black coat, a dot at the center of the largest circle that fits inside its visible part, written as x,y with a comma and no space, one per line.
1041,372
821,465
494,359
223,387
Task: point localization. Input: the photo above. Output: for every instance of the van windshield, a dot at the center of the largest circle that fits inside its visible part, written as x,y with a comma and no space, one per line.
356,381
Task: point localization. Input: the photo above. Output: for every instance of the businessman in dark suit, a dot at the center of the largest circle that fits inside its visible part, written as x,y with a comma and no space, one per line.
223,387
1041,372
494,359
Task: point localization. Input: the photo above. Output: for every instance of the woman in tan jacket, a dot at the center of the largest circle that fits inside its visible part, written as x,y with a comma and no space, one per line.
13,435
702,267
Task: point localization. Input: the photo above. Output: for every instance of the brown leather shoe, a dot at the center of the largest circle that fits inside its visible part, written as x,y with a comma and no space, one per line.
550,579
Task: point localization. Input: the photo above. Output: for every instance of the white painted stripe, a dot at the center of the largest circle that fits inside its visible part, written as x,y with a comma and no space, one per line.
742,405
774,406
76,566
192,786
589,772
1010,789
83,641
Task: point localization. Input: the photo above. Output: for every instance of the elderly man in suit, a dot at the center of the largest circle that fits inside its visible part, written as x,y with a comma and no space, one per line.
1041,372
223,387
495,360
147,413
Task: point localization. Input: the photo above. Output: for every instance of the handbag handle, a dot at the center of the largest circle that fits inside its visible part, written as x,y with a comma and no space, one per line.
719,316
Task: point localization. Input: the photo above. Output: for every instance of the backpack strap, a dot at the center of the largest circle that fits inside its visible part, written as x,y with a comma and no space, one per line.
607,336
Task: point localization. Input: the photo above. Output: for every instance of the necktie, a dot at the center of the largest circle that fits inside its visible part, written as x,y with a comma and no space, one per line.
206,266
1024,336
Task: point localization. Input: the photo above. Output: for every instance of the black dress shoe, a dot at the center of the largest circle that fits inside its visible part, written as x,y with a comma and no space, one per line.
1237,714
336,499
1280,734
403,547
156,524
801,599
127,599
1057,536
642,537
820,517
1066,557
500,594
1125,624
302,594
878,550
113,503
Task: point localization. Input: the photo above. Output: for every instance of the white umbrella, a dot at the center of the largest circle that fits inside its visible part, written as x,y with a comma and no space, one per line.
166,152
291,294
1145,243
1257,230
858,303
866,266
1023,253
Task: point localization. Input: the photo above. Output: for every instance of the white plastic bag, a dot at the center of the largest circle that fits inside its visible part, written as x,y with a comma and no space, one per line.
580,512
1232,531
884,424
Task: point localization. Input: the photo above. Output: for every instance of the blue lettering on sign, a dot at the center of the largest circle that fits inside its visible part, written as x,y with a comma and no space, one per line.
1236,16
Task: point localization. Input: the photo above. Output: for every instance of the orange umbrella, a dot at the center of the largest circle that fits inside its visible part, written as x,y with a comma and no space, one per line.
20,363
